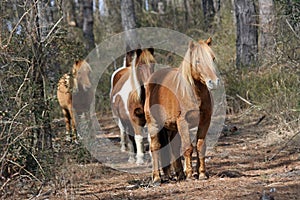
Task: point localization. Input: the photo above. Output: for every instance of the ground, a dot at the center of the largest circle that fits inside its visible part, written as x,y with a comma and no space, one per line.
245,164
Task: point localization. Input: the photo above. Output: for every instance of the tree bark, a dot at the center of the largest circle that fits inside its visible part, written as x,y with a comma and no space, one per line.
129,24
247,34
266,24
88,23
40,104
208,12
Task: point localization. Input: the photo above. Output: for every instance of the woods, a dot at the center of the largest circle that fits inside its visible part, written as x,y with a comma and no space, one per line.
257,53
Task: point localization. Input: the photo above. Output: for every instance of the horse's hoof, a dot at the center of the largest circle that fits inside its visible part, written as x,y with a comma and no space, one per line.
131,159
181,177
68,138
156,182
203,176
139,160
123,149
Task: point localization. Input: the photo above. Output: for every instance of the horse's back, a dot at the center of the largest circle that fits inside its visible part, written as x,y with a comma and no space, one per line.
117,75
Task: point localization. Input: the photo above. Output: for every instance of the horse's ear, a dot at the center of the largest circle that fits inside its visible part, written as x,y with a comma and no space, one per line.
208,41
151,49
77,62
191,45
138,52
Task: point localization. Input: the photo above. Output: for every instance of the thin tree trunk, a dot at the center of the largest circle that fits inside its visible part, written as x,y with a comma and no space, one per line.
129,24
208,12
88,23
247,34
40,106
266,23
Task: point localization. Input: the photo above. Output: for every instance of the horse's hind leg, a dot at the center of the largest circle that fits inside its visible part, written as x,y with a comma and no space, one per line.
131,147
165,153
123,139
175,144
74,132
154,149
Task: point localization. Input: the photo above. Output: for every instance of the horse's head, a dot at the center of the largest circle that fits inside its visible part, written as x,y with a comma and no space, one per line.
201,58
81,75
144,63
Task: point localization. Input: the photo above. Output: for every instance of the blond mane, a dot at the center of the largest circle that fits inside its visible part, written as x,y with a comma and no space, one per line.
145,58
202,53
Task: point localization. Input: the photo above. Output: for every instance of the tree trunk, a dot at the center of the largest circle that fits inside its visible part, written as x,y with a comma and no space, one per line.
88,23
208,12
79,13
129,24
266,23
247,34
40,105
69,12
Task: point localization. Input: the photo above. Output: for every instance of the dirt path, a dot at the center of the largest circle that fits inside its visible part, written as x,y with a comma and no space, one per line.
240,167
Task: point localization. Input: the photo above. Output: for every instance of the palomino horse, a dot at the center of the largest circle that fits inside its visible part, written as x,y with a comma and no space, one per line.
78,83
178,100
127,101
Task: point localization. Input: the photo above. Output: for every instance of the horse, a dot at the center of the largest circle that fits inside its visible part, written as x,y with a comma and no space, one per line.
178,100
74,86
127,100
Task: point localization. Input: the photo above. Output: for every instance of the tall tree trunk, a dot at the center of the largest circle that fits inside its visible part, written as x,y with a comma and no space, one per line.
88,23
266,23
40,105
69,12
129,24
208,12
79,13
247,34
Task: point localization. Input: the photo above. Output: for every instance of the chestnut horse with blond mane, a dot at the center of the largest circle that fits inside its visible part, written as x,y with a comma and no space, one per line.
127,100
77,85
178,101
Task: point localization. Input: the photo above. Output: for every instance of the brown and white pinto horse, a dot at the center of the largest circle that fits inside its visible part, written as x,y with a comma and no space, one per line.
127,100
75,84
178,101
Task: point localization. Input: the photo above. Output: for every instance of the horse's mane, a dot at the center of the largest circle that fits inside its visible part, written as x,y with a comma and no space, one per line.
201,50
81,65
145,58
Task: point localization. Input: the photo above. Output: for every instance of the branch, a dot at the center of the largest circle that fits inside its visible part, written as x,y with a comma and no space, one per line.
52,29
285,145
15,28
246,101
292,29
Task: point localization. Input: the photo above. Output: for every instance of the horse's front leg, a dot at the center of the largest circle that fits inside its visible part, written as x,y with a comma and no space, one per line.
186,146
138,137
201,144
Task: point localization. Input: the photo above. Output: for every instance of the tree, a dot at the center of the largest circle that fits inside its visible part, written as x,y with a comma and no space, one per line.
40,106
247,34
129,23
88,23
266,26
208,12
